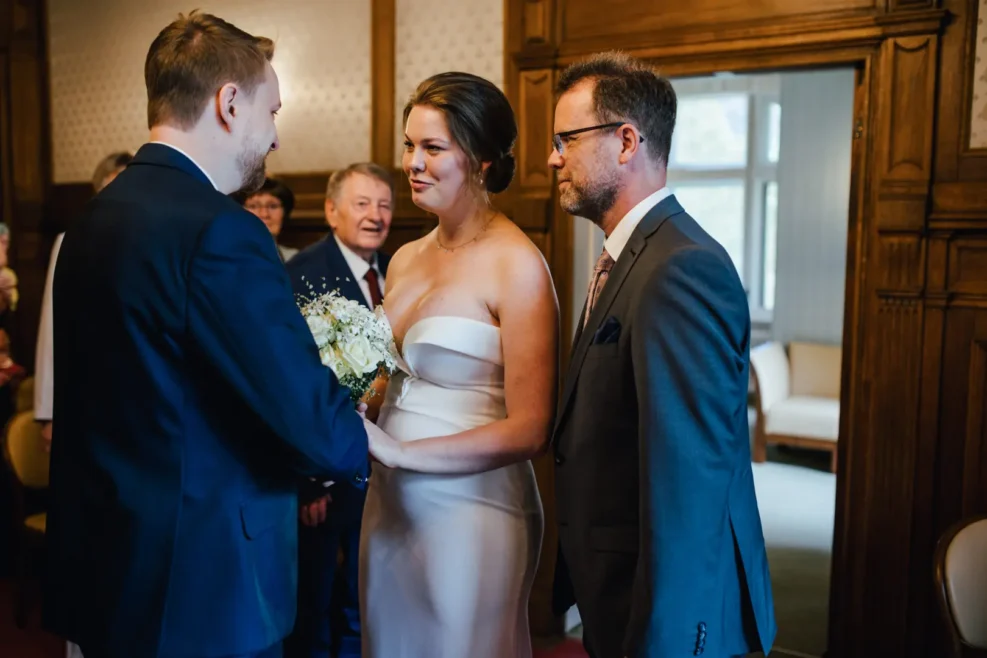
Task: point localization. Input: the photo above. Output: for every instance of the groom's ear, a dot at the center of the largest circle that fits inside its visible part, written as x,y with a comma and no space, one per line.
227,101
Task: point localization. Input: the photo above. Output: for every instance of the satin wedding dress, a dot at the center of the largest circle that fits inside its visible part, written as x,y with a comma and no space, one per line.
447,562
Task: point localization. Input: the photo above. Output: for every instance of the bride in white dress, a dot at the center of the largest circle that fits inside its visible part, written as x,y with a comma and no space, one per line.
452,526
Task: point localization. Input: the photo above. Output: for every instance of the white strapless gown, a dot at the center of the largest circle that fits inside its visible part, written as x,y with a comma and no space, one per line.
447,562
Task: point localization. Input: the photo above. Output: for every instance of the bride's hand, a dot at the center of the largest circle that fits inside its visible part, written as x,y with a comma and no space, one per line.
382,447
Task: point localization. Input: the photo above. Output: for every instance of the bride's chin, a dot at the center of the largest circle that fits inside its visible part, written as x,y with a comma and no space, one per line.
420,199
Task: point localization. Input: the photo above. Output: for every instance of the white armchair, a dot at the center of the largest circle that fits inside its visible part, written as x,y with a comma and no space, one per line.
797,397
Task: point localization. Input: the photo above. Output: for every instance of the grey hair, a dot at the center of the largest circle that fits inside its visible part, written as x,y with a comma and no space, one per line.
337,179
108,165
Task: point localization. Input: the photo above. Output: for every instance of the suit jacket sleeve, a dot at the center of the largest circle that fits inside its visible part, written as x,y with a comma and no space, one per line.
244,320
44,361
688,346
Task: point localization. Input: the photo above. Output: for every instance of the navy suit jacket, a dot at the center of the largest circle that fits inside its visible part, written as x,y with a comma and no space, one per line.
189,399
323,267
661,541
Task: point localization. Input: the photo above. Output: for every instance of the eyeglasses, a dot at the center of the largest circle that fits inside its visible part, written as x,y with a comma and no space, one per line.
269,207
559,140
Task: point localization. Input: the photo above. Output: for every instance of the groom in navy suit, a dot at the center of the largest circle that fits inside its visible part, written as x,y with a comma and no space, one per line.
190,397
359,201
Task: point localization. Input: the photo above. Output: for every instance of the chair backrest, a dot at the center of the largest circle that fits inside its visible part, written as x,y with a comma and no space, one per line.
816,369
25,395
961,578
770,364
25,451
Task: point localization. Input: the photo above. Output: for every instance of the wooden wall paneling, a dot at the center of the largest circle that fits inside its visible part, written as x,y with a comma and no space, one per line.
802,40
25,143
532,206
893,351
383,17
899,324
854,392
582,17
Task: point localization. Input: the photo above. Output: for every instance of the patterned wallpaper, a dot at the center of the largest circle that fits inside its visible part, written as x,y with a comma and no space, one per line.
978,114
98,101
444,35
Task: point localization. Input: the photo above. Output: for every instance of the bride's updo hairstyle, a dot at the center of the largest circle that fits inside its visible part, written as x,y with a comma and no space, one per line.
480,120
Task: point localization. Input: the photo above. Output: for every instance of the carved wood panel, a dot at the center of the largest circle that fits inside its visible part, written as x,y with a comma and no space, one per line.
967,271
536,116
908,98
894,352
537,22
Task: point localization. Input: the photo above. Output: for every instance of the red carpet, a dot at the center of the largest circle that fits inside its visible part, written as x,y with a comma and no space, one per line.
568,648
31,642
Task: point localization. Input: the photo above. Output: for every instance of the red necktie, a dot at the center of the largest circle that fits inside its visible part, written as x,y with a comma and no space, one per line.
374,284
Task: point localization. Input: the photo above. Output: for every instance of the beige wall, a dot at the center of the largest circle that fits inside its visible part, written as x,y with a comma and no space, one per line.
98,100
433,36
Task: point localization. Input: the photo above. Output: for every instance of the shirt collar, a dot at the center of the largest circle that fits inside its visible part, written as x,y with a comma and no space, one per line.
625,227
191,159
357,264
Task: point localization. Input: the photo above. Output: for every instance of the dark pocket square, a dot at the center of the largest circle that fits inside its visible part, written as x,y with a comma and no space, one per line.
609,332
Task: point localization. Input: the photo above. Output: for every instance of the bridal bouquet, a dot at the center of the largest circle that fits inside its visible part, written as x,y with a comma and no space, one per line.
355,342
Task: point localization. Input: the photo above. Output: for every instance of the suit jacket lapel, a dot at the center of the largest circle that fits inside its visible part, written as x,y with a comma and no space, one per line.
635,245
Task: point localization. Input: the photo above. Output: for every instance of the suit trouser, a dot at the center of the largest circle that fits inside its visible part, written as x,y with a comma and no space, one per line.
328,622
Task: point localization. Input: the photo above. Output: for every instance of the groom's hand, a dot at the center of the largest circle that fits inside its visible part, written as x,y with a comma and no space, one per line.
314,513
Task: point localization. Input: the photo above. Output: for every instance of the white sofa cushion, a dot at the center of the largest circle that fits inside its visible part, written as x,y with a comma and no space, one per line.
770,364
815,369
806,417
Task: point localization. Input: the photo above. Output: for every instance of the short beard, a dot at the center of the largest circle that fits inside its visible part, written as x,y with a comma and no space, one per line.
591,202
253,170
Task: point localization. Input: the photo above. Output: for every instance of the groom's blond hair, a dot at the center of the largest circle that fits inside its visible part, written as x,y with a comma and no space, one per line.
191,59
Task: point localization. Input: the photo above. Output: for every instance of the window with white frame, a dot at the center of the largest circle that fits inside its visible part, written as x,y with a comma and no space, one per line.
723,170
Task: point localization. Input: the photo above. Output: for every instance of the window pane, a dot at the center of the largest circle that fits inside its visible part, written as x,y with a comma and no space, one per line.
774,131
770,244
710,132
719,208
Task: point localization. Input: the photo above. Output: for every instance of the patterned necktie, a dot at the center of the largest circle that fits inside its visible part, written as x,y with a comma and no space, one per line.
374,284
600,273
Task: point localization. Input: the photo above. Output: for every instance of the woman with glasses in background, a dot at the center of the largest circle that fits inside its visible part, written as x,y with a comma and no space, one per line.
273,203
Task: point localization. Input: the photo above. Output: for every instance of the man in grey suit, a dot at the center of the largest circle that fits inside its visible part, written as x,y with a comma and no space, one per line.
661,546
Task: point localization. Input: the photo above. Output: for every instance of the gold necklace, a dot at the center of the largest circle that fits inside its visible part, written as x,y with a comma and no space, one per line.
449,250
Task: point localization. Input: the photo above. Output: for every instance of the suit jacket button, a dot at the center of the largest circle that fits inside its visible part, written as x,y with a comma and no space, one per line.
559,459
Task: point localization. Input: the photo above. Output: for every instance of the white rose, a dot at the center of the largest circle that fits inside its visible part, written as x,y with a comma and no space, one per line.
359,355
331,359
320,328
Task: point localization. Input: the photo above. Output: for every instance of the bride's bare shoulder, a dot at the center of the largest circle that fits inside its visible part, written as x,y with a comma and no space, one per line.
513,244
406,254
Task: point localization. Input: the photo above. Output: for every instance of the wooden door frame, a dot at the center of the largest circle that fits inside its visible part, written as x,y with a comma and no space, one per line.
866,43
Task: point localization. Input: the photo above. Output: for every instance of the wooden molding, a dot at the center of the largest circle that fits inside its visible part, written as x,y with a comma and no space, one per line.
383,18
822,32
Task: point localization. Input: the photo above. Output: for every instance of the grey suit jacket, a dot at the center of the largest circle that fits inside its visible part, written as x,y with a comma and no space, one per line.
660,539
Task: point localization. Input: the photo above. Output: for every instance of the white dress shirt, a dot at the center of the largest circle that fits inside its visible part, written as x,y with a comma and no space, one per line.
622,232
44,359
360,267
